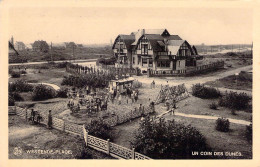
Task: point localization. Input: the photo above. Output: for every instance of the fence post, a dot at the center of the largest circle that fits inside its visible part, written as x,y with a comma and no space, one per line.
63,125
108,146
133,153
86,139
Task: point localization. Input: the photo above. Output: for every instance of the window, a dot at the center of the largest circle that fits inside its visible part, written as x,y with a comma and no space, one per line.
144,61
133,60
139,59
144,49
163,63
150,63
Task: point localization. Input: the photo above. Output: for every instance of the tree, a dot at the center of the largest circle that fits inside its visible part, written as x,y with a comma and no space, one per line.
159,139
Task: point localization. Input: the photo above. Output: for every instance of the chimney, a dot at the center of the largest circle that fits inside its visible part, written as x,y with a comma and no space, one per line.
143,31
12,40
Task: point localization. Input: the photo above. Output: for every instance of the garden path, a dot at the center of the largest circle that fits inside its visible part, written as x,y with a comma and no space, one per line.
236,121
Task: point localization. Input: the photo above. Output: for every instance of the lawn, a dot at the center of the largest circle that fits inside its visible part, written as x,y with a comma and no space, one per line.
233,82
219,141
51,75
37,137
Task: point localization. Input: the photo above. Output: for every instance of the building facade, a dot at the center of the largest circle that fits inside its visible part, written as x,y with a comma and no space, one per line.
19,46
40,46
154,49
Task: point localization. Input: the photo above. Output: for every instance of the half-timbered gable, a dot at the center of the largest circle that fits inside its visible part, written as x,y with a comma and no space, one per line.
123,49
154,49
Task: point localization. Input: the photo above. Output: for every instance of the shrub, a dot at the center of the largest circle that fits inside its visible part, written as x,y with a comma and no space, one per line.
11,101
167,140
203,92
16,96
23,72
98,129
82,151
92,80
213,106
15,74
249,132
63,93
222,124
42,92
137,84
109,61
235,101
20,86
233,112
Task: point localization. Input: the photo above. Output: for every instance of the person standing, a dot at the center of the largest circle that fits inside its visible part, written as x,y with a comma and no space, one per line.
32,115
49,123
119,99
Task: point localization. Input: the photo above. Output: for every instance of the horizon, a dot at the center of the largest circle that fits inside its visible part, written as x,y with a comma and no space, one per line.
99,25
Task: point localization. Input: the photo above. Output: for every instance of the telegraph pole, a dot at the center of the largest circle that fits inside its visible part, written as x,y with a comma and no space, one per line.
73,52
51,53
252,49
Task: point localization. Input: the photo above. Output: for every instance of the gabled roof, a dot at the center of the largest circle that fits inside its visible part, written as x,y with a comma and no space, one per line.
154,39
174,37
155,31
127,39
194,50
11,48
174,46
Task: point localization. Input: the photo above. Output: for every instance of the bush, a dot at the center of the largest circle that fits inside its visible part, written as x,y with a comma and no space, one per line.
11,101
23,72
213,106
16,96
235,101
203,92
42,92
63,93
109,61
20,86
222,124
81,151
167,140
92,80
98,129
15,74
137,84
249,132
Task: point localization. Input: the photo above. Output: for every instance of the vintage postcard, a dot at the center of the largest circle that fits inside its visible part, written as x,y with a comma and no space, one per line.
118,80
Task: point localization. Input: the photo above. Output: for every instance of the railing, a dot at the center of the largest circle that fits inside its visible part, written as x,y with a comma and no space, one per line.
105,146
110,148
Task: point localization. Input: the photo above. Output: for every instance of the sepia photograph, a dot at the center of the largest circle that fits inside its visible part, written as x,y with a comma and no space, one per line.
136,83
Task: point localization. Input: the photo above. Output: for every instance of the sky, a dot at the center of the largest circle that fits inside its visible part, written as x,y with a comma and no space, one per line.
99,25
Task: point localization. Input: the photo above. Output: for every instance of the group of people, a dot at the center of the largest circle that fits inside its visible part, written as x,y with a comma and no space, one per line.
92,104
35,118
130,94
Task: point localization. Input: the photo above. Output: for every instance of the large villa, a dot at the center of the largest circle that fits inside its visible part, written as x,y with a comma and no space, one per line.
154,49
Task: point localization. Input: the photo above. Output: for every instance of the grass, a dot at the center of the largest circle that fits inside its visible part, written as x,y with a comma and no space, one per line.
53,76
232,141
27,137
232,82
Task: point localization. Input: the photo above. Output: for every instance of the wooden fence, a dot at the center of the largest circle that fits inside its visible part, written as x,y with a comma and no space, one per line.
104,70
110,148
105,146
184,72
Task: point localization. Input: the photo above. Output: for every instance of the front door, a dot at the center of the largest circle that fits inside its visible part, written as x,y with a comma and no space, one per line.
174,65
